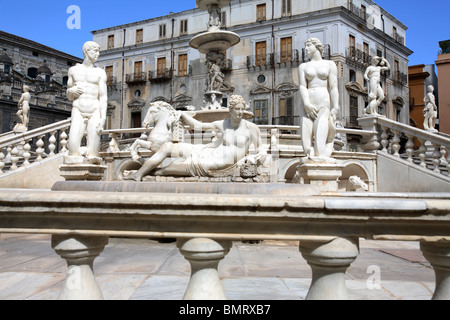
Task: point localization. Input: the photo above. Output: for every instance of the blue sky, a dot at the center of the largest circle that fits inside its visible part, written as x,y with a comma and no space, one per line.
45,21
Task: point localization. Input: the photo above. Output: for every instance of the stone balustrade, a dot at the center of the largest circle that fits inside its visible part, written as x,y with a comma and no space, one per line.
17,149
328,227
425,148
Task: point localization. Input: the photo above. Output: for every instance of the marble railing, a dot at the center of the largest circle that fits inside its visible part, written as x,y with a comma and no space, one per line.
17,150
426,149
81,219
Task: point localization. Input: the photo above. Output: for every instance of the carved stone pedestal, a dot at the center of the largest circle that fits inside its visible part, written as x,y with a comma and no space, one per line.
82,169
204,256
438,254
325,174
329,262
79,252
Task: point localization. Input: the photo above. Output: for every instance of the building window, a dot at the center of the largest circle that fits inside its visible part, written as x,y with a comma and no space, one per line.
35,54
286,107
109,73
138,74
136,121
352,41
260,111
261,12
366,52
110,42
184,27
363,12
139,36
261,58
352,75
108,125
286,49
182,65
286,7
161,67
353,112
32,73
162,31
223,19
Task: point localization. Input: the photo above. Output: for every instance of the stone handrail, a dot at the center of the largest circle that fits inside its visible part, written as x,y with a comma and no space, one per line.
15,147
424,145
328,227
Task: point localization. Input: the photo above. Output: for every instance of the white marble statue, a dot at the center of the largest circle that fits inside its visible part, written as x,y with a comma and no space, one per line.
235,136
430,110
88,90
320,95
24,110
373,77
168,128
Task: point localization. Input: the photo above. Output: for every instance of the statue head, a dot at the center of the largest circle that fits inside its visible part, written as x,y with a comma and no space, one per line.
88,47
430,89
317,43
26,88
236,100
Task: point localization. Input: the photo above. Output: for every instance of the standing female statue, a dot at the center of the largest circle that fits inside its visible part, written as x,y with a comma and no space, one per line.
430,111
319,91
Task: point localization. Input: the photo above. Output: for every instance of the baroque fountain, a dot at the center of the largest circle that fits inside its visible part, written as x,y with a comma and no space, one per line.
215,207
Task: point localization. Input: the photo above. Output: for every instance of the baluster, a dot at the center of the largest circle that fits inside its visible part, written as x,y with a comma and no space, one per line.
63,140
52,143
384,139
40,149
26,153
396,143
422,153
14,158
443,160
410,148
2,158
8,155
436,155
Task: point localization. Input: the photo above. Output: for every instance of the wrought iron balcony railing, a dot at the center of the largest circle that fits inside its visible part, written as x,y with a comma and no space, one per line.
161,75
357,58
139,77
265,60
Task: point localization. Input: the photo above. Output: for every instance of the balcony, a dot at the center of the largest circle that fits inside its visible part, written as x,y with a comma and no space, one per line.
357,58
398,38
285,58
400,78
136,78
287,121
160,75
360,12
111,81
260,61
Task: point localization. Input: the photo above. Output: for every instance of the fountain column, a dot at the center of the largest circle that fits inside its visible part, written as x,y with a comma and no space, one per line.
213,43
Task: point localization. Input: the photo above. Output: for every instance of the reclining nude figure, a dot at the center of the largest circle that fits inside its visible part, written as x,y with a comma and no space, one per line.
235,137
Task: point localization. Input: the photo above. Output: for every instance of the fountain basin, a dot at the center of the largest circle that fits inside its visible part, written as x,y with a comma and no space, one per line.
218,41
216,115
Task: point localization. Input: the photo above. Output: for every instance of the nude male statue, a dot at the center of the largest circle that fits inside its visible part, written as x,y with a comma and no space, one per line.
88,90
373,77
24,107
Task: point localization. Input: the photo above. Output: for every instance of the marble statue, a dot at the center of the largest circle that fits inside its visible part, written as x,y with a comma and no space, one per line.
216,77
168,128
88,91
430,110
214,18
24,110
373,77
320,95
235,137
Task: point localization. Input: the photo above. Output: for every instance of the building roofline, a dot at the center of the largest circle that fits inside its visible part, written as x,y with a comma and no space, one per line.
132,24
16,40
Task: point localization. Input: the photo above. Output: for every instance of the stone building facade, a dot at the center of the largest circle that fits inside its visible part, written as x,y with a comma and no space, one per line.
152,60
443,66
44,70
